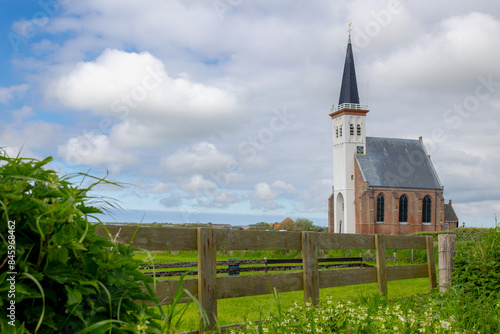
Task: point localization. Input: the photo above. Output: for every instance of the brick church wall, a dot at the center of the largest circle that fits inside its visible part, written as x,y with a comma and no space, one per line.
366,209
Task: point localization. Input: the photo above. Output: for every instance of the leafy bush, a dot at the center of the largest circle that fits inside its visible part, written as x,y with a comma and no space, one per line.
464,234
477,269
68,278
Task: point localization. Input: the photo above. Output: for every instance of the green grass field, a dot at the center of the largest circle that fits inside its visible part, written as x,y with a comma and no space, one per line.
235,310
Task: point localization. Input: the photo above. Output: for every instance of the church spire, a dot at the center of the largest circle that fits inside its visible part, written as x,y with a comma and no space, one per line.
349,88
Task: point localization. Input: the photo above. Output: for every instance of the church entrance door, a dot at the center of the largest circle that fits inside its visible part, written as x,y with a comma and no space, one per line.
341,224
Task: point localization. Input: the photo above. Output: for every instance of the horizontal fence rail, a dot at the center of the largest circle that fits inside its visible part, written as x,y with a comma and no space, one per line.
208,287
233,265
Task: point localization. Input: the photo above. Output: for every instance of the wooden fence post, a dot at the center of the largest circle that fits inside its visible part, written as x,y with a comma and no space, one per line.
207,275
310,276
431,262
381,266
446,250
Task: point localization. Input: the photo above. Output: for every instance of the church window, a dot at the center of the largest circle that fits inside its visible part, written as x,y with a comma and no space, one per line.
380,207
359,130
340,131
403,209
426,209
352,130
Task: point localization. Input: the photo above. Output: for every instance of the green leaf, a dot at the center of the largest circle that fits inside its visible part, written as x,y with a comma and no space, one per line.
59,254
94,327
61,273
74,295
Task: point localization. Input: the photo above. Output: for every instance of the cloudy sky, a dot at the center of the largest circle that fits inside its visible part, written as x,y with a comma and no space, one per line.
217,110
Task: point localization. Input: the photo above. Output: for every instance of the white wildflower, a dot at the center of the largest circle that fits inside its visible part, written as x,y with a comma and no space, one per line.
445,324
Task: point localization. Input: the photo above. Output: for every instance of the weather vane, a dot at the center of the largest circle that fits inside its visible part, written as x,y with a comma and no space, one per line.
349,31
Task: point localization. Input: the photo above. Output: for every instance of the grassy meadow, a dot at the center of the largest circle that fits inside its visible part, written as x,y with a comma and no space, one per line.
242,309
471,306
237,310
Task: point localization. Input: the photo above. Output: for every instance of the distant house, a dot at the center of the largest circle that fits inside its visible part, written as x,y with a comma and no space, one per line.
380,185
286,224
450,217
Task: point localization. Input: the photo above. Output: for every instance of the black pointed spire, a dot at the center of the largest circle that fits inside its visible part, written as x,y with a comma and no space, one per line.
349,88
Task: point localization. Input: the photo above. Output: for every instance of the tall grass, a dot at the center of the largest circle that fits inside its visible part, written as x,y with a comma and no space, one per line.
237,310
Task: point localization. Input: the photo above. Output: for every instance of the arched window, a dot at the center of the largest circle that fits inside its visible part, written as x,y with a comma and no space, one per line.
380,207
352,129
359,130
340,131
403,209
426,209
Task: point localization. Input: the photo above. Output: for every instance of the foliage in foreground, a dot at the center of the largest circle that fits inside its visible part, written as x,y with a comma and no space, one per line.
431,313
477,270
57,273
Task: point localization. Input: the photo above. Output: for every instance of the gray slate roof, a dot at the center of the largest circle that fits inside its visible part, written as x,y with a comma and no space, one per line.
397,163
449,214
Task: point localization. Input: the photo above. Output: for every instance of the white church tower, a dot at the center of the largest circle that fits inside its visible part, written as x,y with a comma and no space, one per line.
349,139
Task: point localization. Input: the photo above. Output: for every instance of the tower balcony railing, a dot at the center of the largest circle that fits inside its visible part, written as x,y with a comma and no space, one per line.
352,106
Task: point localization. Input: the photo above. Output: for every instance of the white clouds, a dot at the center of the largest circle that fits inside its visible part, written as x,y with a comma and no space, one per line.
283,186
174,200
31,138
188,97
96,85
263,192
160,188
220,200
7,93
150,103
459,51
94,150
200,158
198,186
263,197
23,114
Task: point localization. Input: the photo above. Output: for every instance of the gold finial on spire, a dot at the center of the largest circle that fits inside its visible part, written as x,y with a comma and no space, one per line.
349,31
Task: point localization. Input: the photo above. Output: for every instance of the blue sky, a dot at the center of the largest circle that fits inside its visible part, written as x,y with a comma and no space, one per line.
218,110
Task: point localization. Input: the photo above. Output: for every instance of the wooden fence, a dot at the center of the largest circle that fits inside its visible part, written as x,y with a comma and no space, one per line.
209,288
265,265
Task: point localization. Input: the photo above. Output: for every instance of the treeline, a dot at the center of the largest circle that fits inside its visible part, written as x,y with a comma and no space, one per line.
300,224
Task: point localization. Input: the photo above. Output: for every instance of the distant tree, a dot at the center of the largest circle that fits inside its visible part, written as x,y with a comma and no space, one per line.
262,226
305,224
320,229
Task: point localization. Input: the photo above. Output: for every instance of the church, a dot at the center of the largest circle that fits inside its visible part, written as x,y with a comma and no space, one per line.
380,185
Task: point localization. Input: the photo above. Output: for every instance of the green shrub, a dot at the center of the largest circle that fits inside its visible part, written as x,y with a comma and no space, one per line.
464,234
68,279
477,268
